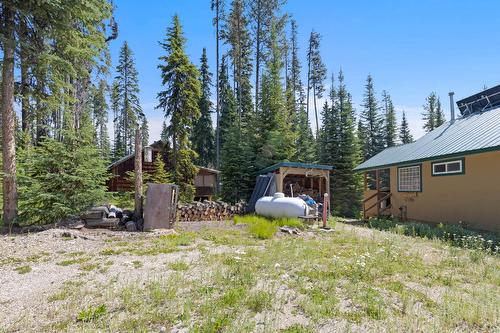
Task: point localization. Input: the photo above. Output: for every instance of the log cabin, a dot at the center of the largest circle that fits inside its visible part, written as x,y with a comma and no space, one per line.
205,181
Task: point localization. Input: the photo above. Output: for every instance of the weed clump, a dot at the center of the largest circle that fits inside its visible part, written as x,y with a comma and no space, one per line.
23,269
456,235
264,228
92,313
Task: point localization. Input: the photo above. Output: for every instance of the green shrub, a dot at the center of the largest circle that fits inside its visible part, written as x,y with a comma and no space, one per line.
259,301
264,228
92,313
179,266
124,200
454,234
290,222
61,179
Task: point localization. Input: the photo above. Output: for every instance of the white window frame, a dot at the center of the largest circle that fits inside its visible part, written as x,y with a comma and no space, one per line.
446,172
401,170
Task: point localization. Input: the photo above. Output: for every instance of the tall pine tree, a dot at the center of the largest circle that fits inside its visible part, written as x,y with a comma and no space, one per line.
237,35
218,7
305,143
371,124
440,118
228,112
203,137
56,45
404,131
346,189
100,111
430,112
329,134
262,14
180,102
128,96
274,120
390,130
316,73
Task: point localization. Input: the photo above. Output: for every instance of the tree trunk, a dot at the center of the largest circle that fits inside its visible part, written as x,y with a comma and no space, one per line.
316,111
138,172
25,117
257,56
8,126
308,79
217,129
174,154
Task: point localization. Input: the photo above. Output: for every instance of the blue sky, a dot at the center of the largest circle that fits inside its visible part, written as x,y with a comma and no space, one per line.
410,47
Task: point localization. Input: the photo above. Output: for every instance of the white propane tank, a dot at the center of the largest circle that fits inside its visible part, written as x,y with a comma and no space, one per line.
279,206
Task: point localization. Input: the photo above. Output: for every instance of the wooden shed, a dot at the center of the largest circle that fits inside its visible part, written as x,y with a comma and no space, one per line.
205,181
294,178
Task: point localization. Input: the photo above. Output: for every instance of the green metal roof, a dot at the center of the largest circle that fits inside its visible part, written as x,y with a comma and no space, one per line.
471,134
295,165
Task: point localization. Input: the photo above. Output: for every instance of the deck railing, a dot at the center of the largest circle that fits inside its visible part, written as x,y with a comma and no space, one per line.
380,210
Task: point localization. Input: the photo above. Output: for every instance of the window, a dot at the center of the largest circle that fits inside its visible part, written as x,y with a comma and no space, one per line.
410,179
371,180
384,179
448,168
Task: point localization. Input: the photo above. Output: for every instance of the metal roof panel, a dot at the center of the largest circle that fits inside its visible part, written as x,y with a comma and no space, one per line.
295,165
473,133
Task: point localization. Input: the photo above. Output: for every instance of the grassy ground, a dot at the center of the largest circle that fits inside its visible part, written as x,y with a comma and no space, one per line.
242,280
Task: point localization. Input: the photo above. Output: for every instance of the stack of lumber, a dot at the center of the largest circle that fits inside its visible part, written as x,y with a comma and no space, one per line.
209,211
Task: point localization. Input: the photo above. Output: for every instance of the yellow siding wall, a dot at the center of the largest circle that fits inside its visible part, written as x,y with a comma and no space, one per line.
473,197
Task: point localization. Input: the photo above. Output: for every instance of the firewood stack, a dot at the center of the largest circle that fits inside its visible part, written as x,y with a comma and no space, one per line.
298,189
209,211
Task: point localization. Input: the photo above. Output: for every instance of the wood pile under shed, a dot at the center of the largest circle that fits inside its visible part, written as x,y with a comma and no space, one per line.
209,211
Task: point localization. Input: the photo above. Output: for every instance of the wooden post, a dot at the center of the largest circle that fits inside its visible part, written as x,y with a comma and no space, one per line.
326,204
138,173
327,190
320,181
279,181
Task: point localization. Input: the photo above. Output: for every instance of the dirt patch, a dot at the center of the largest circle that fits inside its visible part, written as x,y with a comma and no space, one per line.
200,225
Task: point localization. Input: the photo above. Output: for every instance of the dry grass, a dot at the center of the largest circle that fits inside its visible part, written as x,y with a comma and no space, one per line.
354,279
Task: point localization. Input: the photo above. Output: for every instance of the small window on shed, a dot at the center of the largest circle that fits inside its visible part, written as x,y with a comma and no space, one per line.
410,179
448,168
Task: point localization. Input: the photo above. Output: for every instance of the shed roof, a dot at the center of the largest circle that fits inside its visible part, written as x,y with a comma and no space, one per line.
471,134
295,165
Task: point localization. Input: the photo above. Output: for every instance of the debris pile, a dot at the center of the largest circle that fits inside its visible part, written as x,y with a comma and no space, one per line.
209,211
290,230
112,217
